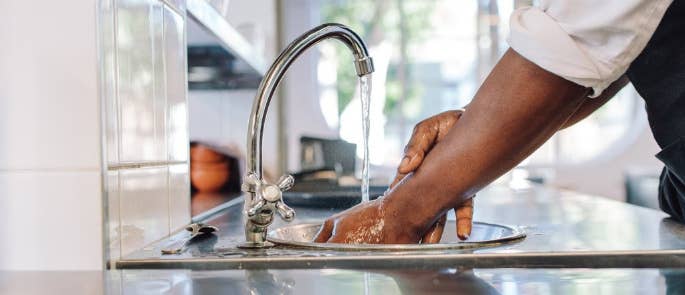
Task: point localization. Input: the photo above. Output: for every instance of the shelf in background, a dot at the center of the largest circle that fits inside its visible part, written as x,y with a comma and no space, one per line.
215,30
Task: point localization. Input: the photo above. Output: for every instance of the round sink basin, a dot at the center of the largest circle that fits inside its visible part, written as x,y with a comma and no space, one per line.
482,235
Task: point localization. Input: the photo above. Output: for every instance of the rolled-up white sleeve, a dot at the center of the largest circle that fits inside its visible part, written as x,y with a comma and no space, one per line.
588,42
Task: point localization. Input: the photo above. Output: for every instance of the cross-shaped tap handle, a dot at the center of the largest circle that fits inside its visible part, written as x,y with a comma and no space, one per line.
269,196
286,182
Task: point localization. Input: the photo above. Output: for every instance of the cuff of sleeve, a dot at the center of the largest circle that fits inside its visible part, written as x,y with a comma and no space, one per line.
540,39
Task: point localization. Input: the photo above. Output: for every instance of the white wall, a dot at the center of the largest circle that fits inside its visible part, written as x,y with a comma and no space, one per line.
61,208
303,109
50,161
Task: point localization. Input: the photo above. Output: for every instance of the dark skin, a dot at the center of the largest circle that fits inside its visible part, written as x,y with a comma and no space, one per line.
517,109
425,136
429,132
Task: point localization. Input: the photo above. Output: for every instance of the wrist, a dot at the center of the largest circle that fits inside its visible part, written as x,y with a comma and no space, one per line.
403,203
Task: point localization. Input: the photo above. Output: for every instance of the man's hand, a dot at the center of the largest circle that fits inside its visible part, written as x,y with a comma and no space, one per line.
367,223
426,134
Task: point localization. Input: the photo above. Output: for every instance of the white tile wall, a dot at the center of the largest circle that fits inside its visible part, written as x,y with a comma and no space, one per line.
151,109
142,132
144,206
51,220
159,78
50,140
55,86
113,225
176,85
108,76
49,100
179,192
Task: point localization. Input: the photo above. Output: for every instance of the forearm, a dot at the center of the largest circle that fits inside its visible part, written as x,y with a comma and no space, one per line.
590,105
516,110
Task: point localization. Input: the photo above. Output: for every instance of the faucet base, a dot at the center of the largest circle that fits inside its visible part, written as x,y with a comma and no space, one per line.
256,245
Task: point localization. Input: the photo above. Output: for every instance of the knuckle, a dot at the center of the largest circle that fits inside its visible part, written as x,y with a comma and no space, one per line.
454,114
465,216
409,149
418,127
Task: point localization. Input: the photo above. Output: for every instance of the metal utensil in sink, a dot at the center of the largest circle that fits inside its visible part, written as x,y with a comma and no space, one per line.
195,230
483,235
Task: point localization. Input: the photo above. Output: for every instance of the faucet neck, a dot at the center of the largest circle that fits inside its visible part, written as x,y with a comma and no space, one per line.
363,66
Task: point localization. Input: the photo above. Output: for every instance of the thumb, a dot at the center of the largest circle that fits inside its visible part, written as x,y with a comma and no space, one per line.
413,158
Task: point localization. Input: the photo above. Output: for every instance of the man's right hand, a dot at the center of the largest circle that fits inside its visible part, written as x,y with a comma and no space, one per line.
426,134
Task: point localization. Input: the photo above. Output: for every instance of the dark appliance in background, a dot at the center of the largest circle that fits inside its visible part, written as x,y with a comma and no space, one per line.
318,154
324,161
212,67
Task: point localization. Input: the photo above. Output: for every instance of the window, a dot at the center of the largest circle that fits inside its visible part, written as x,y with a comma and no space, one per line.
432,56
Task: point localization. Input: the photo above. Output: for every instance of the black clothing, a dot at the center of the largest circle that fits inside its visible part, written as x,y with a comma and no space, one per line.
658,74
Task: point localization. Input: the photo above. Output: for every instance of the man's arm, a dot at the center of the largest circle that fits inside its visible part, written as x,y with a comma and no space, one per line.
516,110
430,131
590,105
518,107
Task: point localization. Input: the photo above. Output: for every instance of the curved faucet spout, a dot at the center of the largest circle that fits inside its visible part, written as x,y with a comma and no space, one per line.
363,65
262,199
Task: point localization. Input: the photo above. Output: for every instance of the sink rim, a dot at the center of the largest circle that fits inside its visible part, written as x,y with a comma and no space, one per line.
517,234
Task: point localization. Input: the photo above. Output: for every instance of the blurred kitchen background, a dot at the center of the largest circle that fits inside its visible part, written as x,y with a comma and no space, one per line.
430,56
129,117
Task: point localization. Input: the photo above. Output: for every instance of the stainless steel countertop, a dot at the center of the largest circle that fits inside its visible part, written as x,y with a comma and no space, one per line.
565,229
336,281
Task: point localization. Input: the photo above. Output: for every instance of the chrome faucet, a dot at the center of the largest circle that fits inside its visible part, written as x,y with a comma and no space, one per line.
263,198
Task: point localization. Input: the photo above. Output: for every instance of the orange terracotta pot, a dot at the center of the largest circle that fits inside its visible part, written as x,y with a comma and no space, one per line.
223,165
209,177
203,153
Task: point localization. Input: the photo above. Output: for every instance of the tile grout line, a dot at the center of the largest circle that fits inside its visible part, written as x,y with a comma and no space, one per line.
131,165
117,133
166,117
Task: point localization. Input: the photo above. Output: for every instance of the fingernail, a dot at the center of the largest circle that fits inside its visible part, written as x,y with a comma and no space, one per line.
405,161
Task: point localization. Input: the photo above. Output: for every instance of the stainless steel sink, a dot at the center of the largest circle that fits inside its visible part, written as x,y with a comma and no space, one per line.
581,235
483,235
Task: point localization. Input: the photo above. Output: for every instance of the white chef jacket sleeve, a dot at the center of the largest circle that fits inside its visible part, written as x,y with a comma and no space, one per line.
588,42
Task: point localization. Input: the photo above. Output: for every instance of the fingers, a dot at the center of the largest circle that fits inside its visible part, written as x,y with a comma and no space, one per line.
421,141
434,234
464,219
425,135
397,180
325,232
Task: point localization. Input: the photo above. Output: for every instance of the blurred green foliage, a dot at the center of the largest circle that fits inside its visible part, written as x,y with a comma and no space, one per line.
376,22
